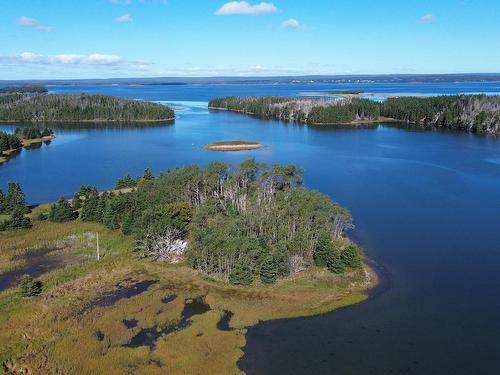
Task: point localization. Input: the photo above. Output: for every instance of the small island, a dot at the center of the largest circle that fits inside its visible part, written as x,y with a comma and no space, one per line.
233,146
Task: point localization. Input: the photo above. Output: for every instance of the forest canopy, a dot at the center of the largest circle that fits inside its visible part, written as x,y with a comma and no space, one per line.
20,107
238,223
27,89
310,111
474,113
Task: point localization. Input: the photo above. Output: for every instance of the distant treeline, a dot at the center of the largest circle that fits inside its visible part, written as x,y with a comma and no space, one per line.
475,113
310,111
30,89
79,108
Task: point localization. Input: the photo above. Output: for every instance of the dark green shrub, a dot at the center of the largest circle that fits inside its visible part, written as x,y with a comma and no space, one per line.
30,287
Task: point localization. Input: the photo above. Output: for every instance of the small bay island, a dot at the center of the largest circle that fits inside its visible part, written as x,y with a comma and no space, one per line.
233,146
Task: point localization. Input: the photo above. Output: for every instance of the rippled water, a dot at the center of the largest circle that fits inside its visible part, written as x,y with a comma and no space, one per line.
426,206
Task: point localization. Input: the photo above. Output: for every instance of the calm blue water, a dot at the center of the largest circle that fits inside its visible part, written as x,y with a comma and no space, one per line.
426,206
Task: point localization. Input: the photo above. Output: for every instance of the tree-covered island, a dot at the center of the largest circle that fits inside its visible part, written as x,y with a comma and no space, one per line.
46,108
187,260
474,113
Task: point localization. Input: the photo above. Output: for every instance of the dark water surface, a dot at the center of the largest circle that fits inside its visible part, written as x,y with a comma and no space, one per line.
426,206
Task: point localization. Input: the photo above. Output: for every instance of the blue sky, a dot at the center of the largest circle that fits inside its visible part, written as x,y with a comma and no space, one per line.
49,39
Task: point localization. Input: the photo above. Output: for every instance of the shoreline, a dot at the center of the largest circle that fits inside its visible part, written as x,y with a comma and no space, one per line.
26,143
360,122
310,293
86,121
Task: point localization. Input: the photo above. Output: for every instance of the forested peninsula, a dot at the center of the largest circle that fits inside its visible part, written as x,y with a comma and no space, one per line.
169,269
22,137
474,113
310,111
45,108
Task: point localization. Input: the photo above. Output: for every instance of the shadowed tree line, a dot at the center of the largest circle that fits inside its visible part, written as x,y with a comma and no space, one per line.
242,222
310,111
239,223
474,113
27,89
79,107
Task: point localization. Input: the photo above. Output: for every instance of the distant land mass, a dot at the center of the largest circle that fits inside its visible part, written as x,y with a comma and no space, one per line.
354,78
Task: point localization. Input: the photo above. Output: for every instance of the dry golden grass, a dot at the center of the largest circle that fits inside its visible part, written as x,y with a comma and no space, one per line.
56,332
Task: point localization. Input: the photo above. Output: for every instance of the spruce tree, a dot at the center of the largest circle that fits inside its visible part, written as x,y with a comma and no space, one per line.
268,271
350,257
110,215
18,220
2,202
101,207
324,249
241,275
128,223
334,262
148,175
61,211
281,259
90,208
15,197
76,202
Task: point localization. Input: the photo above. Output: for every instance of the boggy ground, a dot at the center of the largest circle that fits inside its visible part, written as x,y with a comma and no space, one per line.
124,315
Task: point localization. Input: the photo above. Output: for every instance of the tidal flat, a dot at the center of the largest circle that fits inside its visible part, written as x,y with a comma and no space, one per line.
129,315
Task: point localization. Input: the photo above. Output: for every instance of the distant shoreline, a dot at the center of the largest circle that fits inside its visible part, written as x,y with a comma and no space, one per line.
86,121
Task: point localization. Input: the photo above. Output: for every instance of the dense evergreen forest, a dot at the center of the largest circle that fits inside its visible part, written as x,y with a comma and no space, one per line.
238,223
33,89
20,107
9,142
310,111
23,136
476,113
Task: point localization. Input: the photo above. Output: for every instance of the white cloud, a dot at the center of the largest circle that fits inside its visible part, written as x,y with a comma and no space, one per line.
34,24
428,18
291,23
245,8
124,19
72,59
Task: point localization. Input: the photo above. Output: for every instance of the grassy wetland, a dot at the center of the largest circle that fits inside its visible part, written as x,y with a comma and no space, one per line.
70,328
142,308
